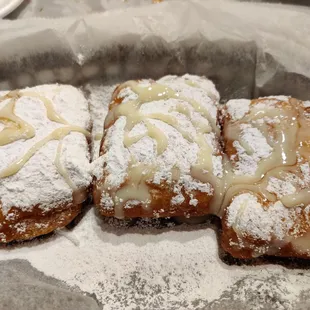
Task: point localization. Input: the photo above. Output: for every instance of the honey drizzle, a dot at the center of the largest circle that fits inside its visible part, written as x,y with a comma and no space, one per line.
136,187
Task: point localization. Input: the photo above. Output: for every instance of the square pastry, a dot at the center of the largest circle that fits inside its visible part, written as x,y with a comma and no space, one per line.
44,159
160,154
267,203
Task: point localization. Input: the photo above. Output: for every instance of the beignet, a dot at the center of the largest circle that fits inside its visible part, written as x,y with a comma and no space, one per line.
267,204
44,159
160,154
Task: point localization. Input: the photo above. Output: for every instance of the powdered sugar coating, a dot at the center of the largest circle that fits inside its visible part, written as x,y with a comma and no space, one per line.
291,182
307,104
39,182
275,98
117,157
253,128
204,90
247,216
305,169
279,187
237,108
260,149
180,153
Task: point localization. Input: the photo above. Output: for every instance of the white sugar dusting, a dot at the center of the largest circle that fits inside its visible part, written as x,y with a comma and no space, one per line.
194,87
279,187
120,266
269,99
117,156
217,162
305,169
252,148
276,222
307,104
247,215
237,108
256,141
180,153
39,182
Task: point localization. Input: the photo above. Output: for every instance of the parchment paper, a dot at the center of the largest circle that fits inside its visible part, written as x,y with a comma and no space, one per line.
58,8
248,49
243,47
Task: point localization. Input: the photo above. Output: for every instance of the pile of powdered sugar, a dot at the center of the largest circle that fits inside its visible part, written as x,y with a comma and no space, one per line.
171,268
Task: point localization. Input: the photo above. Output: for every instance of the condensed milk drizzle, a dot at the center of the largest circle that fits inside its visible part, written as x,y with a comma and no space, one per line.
98,137
57,134
135,189
138,174
17,129
50,111
61,168
288,135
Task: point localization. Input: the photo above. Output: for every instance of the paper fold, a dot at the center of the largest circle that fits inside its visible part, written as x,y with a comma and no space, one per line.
248,49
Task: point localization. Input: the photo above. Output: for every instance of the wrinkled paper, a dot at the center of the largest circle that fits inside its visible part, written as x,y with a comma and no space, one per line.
247,49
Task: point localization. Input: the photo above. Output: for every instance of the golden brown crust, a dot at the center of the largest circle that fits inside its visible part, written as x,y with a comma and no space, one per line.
160,206
248,247
20,225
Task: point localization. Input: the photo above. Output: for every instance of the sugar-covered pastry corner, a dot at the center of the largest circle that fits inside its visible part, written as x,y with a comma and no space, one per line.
267,202
160,154
44,159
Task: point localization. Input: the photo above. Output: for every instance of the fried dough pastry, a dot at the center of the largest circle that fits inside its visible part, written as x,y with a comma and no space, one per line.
266,209
44,159
160,154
